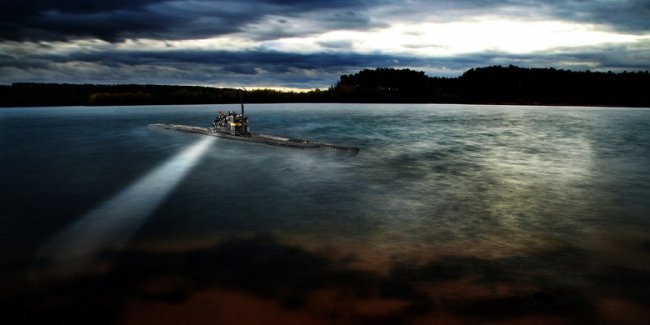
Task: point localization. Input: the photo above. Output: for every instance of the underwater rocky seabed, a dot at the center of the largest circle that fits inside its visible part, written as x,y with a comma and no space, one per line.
450,213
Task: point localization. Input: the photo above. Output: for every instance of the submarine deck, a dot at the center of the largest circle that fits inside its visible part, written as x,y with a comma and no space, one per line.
259,138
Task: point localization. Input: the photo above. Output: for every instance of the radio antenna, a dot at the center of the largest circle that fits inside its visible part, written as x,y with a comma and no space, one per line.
241,100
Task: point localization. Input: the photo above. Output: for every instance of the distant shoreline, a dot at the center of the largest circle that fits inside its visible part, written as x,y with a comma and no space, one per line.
342,103
481,86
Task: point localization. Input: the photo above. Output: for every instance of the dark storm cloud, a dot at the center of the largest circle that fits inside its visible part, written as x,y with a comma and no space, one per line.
183,19
275,61
623,15
160,68
160,19
314,22
58,20
263,67
203,67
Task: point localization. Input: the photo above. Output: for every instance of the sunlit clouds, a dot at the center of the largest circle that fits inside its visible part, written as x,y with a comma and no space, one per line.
443,39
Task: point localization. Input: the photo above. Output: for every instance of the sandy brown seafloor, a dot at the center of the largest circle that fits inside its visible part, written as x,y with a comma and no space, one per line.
261,280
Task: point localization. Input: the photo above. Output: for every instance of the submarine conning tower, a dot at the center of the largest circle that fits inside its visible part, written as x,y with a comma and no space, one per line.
232,123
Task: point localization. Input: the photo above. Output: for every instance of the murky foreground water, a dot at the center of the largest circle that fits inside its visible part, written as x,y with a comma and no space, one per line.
449,213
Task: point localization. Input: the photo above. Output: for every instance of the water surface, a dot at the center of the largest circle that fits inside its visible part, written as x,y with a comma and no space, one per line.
450,213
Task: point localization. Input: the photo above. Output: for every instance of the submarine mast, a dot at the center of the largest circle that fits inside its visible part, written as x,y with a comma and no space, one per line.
241,101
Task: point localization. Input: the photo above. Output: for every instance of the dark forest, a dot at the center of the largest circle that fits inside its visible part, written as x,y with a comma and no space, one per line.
488,85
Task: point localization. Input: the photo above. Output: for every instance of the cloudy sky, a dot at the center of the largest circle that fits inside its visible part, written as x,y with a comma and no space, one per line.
308,44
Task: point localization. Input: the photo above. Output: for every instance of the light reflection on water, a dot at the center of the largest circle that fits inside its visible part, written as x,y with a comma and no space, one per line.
466,212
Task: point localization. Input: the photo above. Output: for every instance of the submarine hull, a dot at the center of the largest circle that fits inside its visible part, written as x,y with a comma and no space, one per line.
260,138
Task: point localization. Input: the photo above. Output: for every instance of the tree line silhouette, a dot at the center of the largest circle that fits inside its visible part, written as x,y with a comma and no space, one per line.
488,85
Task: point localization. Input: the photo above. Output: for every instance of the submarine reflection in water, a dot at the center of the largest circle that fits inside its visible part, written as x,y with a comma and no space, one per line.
75,250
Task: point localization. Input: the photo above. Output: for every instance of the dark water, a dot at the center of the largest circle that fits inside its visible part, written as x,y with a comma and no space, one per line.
450,213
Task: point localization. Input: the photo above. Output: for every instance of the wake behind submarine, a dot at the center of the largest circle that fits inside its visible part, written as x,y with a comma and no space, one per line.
235,127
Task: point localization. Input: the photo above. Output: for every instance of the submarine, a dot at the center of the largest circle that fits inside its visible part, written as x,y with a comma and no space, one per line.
235,126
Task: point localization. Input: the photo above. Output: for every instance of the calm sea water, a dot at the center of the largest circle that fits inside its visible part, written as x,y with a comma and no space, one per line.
450,213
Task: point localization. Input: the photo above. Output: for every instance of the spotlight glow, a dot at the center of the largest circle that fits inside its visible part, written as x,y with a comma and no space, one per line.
108,227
